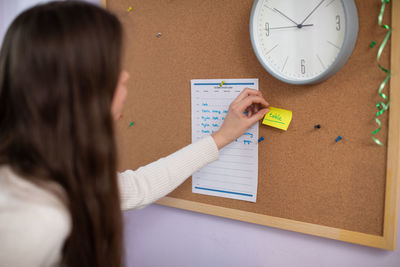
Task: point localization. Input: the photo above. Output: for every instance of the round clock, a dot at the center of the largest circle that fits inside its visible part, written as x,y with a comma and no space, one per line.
303,41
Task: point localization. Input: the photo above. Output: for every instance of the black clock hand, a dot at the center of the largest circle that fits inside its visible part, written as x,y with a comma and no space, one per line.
287,27
286,17
315,8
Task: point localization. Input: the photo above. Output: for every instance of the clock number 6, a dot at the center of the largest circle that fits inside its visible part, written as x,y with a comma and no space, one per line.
267,28
303,66
337,22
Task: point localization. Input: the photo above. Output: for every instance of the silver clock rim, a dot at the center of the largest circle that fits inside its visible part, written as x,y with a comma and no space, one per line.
349,42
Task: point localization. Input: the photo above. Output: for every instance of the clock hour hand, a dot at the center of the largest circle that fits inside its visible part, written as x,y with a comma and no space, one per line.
297,25
315,8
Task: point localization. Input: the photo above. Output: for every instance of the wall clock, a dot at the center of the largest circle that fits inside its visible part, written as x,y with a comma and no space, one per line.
303,41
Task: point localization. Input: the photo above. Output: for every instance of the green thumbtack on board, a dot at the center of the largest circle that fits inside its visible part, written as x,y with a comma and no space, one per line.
132,123
373,43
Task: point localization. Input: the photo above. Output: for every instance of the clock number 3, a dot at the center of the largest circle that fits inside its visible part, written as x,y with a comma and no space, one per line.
337,22
303,66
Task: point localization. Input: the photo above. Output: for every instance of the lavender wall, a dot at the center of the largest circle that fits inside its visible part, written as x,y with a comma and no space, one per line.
162,236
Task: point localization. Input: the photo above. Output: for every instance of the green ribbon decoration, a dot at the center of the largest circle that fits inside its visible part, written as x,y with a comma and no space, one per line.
384,104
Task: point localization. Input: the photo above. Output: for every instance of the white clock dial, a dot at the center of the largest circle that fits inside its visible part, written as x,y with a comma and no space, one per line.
301,41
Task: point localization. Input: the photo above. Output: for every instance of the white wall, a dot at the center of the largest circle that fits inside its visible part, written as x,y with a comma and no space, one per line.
162,236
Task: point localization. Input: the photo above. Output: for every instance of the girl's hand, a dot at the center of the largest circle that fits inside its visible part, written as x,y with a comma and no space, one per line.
248,108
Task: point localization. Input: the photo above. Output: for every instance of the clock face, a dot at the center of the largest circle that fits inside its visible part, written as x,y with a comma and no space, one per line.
300,41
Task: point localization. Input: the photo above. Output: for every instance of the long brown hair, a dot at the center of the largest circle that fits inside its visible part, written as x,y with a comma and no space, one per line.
59,67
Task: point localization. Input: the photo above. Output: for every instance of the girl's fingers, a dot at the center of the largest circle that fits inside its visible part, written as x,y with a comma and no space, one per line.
256,108
246,102
259,115
245,93
249,112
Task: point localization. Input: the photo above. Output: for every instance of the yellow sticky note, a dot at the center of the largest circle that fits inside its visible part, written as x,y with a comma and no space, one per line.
278,118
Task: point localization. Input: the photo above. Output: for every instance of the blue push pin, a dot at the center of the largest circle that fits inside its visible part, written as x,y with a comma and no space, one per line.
338,139
261,139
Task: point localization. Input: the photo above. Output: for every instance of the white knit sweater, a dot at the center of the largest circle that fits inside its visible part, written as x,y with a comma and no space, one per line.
34,223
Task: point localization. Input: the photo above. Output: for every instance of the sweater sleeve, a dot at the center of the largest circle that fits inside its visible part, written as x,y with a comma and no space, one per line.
155,180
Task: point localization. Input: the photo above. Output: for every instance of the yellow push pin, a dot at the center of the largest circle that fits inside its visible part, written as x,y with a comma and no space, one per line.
222,83
129,9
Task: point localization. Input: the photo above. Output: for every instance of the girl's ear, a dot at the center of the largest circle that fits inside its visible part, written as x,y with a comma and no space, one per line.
120,95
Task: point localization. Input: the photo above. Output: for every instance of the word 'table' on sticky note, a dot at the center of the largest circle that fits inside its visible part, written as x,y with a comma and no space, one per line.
278,118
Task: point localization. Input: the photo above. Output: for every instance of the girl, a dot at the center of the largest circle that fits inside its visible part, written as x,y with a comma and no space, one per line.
61,85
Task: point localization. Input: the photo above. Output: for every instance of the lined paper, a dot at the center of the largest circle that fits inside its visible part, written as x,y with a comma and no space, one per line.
235,174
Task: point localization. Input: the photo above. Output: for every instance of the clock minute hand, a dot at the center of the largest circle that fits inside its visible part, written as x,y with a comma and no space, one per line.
315,8
286,17
288,27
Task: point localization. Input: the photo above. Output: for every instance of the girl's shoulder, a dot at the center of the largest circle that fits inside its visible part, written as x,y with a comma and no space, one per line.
34,222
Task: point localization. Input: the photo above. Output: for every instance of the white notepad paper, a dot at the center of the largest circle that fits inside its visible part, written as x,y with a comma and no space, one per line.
235,173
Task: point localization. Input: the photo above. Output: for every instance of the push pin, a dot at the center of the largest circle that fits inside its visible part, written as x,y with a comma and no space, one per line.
159,34
261,139
131,124
318,126
129,9
338,139
221,84
373,43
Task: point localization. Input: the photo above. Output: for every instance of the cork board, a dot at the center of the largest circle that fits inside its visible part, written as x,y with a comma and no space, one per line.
307,182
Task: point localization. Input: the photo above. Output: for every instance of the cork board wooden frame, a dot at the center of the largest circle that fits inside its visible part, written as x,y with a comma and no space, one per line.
387,239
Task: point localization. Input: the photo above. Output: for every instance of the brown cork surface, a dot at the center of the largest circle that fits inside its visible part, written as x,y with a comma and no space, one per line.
303,174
